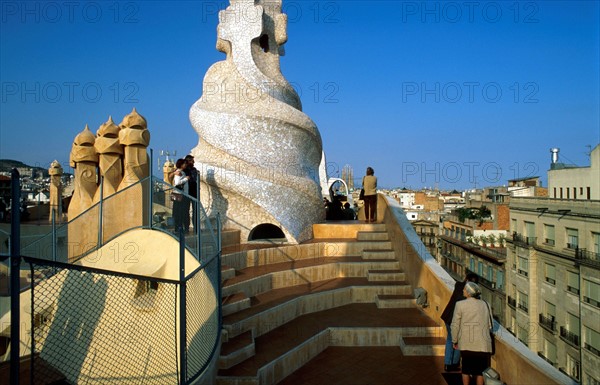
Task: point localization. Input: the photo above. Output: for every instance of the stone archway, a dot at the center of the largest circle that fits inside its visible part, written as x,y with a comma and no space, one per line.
266,231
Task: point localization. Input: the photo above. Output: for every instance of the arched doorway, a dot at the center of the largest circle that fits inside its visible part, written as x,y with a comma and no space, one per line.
266,231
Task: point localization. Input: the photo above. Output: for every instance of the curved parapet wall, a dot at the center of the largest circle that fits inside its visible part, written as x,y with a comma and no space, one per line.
258,153
513,360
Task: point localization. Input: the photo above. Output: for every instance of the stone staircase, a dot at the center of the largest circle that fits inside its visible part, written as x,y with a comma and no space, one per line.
282,306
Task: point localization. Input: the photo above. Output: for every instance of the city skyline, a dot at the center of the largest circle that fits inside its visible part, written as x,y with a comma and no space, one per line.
440,94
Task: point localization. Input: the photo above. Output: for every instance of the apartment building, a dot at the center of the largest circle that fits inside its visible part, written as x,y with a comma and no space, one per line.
428,233
553,277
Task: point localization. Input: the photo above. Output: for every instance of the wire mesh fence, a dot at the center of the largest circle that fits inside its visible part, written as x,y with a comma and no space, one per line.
202,318
101,327
95,325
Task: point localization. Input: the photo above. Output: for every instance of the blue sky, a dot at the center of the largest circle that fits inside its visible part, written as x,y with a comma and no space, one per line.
453,94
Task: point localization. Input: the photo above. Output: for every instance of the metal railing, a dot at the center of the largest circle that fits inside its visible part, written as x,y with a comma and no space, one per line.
547,322
92,325
522,240
569,336
584,255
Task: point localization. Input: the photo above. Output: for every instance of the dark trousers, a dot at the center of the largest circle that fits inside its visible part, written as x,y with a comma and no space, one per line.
371,207
181,214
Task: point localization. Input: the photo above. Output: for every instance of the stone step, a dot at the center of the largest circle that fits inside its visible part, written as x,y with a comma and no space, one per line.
274,308
372,236
344,230
234,303
386,275
256,280
286,348
243,256
395,301
378,254
423,346
227,272
236,350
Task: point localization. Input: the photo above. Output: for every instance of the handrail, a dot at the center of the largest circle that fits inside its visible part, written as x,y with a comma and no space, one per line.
154,183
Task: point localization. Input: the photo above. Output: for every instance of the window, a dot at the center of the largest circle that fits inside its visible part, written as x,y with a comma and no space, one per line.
573,324
572,238
550,309
596,242
568,193
523,301
574,192
550,273
550,351
522,334
589,195
573,367
573,282
554,193
523,267
580,190
549,234
591,293
530,232
490,274
480,269
472,264
591,340
500,280
561,193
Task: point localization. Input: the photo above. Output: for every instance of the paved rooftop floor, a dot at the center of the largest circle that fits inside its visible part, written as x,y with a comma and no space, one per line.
371,366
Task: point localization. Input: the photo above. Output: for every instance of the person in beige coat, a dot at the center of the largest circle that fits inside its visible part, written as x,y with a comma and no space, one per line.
369,184
471,326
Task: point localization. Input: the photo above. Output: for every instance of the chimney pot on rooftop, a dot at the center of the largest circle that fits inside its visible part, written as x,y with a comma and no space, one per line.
554,152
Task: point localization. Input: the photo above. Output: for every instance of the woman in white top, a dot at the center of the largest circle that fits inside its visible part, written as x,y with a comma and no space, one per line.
179,196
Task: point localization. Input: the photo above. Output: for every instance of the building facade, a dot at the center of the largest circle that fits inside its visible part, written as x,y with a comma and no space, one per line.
553,282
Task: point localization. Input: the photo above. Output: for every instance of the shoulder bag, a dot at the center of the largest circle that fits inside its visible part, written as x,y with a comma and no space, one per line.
492,329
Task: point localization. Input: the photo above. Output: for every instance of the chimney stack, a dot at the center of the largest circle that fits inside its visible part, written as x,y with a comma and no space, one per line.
554,152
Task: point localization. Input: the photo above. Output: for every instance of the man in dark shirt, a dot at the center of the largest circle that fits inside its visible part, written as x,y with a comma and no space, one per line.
193,191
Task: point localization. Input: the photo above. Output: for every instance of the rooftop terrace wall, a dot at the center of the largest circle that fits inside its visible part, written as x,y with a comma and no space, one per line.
513,360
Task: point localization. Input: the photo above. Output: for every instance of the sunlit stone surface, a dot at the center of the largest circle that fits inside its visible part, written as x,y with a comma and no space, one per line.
258,153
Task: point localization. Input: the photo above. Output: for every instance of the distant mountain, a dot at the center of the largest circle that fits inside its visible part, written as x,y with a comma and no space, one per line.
8,164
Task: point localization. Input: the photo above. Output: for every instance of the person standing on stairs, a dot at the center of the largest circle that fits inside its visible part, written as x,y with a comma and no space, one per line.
369,183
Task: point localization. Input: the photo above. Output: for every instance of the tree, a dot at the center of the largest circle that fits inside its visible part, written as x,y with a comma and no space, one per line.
479,214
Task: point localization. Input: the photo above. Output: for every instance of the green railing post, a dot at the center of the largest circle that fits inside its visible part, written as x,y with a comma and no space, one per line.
54,235
100,212
151,193
182,312
15,275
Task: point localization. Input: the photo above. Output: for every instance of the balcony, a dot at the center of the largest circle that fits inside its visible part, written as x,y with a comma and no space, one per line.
589,257
591,349
573,290
512,302
523,306
548,322
541,354
570,337
591,301
484,281
523,241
